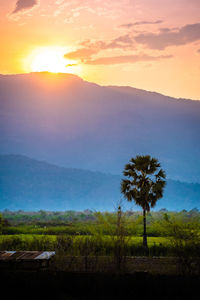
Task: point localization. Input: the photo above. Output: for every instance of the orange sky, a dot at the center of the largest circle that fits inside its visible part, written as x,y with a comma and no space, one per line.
148,44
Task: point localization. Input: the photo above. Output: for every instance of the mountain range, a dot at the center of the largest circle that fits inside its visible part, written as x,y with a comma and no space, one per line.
74,124
33,185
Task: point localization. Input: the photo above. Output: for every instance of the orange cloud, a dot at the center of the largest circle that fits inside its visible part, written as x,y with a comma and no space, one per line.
125,59
81,53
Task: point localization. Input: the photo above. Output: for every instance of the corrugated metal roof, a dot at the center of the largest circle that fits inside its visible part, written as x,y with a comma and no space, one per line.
46,255
26,255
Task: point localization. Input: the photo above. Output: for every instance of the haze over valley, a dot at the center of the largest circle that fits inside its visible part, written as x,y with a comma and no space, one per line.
33,185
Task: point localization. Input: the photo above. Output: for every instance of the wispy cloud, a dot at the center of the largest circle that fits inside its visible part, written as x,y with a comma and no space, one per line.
24,5
130,25
125,59
122,42
90,48
82,53
170,37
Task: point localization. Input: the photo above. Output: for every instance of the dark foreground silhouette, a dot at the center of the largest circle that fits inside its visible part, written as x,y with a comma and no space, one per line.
63,285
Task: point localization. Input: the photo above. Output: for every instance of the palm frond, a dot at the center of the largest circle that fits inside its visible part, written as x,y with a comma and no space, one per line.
144,187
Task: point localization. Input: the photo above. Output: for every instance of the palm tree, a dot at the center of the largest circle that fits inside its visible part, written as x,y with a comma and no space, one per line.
144,185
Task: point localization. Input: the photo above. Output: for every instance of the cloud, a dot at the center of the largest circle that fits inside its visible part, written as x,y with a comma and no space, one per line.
129,25
24,4
165,38
125,59
86,54
198,51
81,53
89,48
124,41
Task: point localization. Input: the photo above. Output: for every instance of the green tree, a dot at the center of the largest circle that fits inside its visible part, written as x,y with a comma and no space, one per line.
144,185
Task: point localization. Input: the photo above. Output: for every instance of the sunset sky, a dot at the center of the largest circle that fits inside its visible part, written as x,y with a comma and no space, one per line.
148,44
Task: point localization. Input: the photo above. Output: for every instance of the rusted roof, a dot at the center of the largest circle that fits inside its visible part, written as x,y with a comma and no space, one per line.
6,254
26,255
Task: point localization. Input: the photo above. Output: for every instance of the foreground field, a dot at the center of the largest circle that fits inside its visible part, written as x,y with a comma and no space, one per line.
86,245
101,234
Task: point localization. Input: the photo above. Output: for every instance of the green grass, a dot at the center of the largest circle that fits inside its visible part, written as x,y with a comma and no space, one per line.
27,237
83,245
52,238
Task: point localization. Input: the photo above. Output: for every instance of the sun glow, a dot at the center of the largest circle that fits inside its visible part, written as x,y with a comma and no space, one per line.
50,59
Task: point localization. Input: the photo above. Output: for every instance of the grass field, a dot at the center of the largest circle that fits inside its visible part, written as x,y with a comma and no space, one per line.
84,245
52,238
102,234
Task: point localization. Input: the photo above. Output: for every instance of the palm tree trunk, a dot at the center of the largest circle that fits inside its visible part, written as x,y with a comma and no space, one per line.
144,232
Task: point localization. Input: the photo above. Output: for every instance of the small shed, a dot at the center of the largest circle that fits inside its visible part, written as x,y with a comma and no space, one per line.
25,260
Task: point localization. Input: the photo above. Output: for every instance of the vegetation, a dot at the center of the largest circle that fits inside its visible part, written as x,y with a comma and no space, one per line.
144,185
85,239
91,223
117,234
1,223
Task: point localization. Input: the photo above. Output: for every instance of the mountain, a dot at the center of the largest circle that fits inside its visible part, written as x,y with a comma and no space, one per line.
69,122
32,185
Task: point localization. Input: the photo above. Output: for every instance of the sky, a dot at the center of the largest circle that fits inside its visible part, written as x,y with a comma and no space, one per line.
148,44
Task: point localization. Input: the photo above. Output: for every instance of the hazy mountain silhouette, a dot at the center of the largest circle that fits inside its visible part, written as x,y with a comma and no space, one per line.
73,123
32,185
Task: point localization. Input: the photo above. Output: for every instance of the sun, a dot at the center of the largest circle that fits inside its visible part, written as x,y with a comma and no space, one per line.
50,59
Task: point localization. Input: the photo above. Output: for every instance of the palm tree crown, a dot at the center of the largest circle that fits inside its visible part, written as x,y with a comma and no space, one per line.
144,187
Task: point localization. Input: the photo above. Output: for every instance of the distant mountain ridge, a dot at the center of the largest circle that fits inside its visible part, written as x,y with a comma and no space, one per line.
67,121
33,185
